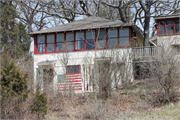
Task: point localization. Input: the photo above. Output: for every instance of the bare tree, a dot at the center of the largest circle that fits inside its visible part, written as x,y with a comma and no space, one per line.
32,17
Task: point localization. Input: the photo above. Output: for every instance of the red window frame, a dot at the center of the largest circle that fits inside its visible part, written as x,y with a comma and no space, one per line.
158,26
85,41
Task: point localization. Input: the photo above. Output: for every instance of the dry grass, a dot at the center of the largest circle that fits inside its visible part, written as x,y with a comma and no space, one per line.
122,104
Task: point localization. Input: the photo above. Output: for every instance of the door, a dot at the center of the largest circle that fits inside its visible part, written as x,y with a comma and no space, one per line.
48,81
104,75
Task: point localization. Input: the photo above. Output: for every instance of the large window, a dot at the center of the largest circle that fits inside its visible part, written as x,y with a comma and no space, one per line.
50,43
70,41
90,40
85,40
60,42
79,40
73,69
41,43
168,27
124,37
101,40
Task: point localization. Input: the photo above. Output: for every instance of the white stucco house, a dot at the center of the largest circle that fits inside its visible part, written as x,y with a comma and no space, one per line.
168,30
69,52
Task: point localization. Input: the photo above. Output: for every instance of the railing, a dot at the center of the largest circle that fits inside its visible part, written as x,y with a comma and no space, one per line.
144,52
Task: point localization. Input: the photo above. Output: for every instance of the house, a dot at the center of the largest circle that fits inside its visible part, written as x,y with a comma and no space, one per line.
64,55
168,30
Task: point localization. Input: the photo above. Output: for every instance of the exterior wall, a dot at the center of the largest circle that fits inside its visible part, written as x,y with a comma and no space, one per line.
168,41
83,58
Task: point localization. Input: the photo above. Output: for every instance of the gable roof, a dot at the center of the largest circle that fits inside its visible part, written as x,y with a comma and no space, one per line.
92,22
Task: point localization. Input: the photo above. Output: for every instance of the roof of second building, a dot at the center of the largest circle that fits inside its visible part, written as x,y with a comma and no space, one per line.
92,22
173,14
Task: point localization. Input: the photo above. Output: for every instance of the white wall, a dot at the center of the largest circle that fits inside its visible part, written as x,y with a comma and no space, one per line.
168,41
83,58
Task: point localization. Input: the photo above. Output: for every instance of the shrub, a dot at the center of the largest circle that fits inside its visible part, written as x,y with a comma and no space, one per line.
39,104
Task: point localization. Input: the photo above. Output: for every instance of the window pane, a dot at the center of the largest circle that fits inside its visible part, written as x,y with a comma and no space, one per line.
162,29
112,33
101,43
41,48
50,38
169,22
177,26
169,25
79,35
70,45
176,21
61,78
90,35
50,47
112,43
124,41
170,29
73,69
161,23
41,39
79,44
177,29
90,44
124,32
102,34
60,46
60,37
69,36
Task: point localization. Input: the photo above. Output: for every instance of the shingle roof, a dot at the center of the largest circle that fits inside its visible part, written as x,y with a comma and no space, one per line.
92,22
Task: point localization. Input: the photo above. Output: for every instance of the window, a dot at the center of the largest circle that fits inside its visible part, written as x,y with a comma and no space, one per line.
73,69
85,40
41,43
176,48
101,41
169,26
177,26
70,41
61,78
60,42
90,40
112,38
50,43
162,27
79,40
124,37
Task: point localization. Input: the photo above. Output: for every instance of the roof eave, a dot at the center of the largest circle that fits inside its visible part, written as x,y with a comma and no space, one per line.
32,34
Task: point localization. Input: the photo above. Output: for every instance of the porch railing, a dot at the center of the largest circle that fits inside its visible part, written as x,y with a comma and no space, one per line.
144,52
